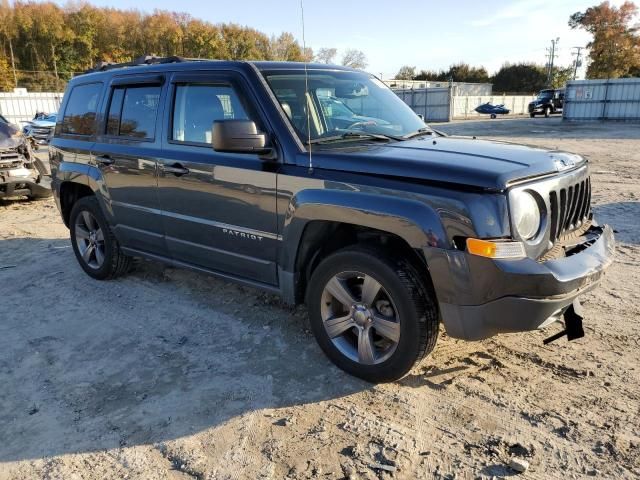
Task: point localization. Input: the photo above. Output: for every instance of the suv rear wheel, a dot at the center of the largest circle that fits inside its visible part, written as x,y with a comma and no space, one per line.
94,245
371,314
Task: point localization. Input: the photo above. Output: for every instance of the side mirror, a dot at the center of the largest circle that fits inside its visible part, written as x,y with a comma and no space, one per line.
421,116
238,136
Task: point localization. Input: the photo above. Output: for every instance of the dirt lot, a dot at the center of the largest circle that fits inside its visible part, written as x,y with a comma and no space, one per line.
171,374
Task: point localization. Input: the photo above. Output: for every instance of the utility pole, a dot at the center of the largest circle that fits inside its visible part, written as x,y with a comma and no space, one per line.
552,57
578,61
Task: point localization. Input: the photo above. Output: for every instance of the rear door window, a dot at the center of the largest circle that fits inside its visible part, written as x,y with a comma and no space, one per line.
197,106
80,113
133,111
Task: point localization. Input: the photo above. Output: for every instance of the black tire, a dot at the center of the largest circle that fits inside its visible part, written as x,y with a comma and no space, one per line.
115,262
532,115
410,294
493,115
547,112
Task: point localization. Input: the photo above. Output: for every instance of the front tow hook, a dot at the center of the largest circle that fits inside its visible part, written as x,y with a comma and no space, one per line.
572,324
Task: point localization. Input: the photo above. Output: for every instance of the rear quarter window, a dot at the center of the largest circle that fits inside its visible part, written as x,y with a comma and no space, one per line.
80,112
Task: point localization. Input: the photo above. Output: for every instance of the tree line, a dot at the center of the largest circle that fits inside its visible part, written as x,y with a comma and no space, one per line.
614,52
511,78
47,43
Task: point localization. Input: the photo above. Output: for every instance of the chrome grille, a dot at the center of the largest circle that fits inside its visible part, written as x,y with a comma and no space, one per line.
570,208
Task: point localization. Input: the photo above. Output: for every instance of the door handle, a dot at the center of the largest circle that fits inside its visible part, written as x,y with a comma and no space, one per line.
176,169
104,159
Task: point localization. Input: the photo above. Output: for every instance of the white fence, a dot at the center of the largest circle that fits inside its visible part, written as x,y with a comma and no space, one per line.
443,105
459,88
617,99
464,107
20,105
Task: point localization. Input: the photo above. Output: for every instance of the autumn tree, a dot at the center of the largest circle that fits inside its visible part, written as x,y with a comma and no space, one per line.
6,77
354,59
615,48
50,43
326,55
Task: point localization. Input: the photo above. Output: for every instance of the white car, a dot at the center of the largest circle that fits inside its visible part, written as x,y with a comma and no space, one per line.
41,127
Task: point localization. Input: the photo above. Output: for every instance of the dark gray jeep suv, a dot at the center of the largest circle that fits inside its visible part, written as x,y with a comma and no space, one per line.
384,227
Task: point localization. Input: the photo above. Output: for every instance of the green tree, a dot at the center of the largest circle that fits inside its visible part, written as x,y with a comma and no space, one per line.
406,73
561,75
519,78
463,72
615,48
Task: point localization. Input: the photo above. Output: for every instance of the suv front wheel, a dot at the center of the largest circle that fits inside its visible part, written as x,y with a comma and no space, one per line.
94,245
372,314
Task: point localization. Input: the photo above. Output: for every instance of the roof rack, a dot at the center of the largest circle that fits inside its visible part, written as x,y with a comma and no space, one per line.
143,60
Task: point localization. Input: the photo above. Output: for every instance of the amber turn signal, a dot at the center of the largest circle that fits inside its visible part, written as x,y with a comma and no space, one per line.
489,249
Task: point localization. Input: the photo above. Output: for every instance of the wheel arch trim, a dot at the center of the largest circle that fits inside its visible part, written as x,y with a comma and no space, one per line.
415,222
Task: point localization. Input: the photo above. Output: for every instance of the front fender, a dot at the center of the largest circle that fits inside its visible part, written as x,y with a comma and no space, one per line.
413,221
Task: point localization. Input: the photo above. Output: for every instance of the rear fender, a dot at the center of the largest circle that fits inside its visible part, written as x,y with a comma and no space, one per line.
87,175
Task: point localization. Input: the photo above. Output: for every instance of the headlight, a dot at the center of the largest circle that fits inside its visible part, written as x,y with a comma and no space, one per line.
526,215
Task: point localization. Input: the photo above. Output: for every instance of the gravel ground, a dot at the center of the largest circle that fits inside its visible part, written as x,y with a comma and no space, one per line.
170,374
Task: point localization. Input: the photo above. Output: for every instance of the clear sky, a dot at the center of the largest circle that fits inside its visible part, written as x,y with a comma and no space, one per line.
425,34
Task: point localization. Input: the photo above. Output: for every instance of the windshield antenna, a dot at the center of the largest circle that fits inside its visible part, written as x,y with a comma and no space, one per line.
306,89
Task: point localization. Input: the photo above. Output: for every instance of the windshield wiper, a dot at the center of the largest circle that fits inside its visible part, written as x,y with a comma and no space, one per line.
354,136
419,132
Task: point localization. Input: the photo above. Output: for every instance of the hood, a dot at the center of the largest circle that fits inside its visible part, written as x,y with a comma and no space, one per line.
458,160
10,137
42,123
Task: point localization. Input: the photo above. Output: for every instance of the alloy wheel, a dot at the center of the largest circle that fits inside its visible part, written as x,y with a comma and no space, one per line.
360,317
90,239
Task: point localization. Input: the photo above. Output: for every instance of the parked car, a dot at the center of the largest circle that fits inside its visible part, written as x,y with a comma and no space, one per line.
492,110
41,127
548,102
21,172
385,230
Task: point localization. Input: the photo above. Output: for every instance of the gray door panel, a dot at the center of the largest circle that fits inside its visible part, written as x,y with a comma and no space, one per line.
220,217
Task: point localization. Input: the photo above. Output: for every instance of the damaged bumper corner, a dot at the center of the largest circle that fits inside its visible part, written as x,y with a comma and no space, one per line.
483,297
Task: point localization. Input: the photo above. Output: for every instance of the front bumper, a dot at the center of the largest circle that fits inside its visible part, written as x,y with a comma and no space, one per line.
481,297
22,181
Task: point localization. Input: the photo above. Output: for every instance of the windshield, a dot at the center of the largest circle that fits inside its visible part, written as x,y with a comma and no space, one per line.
51,117
545,94
339,103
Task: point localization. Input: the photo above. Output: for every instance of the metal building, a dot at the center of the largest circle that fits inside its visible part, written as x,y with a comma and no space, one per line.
617,99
